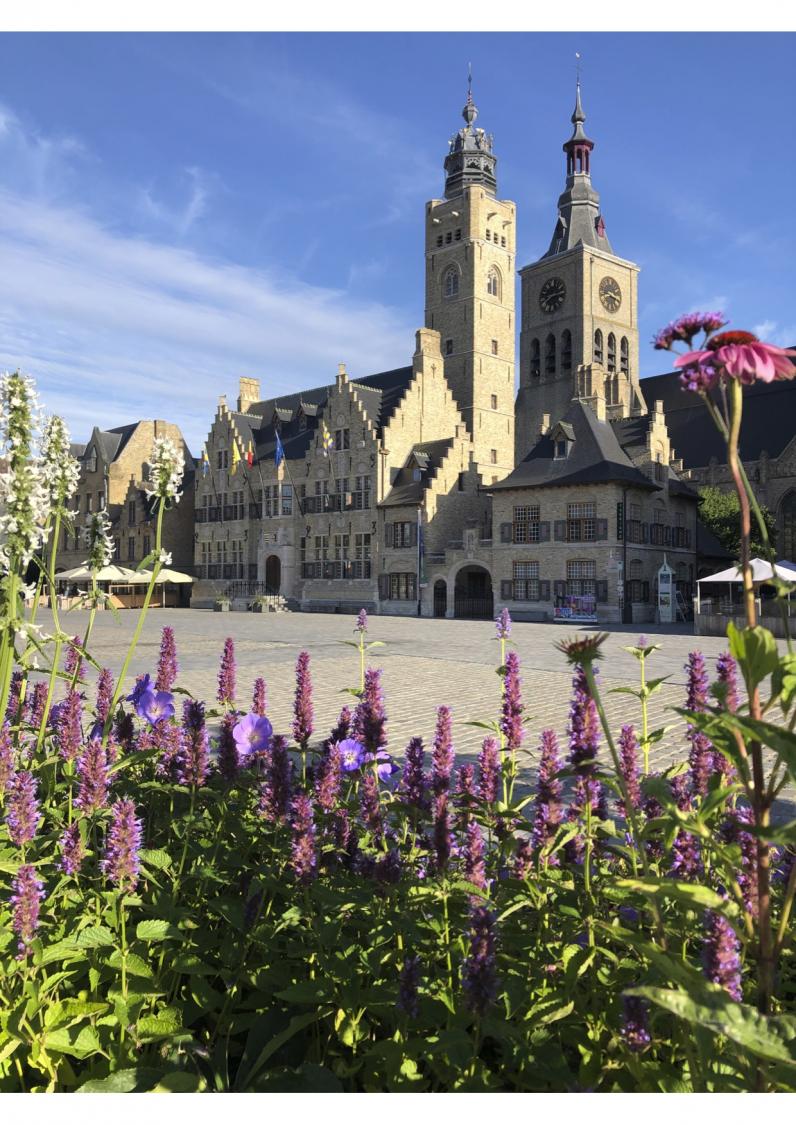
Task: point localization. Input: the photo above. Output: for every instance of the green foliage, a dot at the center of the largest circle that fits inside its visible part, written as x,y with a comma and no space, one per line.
721,513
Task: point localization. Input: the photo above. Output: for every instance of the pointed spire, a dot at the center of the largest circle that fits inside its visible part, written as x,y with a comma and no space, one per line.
578,114
470,111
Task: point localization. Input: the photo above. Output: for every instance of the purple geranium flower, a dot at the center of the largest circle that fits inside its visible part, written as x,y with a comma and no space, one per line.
142,684
155,706
352,754
252,734
385,767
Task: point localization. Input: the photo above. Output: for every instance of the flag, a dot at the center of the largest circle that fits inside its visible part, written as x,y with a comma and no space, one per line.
205,463
235,455
250,455
327,441
279,452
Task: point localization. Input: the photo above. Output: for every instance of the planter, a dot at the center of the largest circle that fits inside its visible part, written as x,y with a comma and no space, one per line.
221,606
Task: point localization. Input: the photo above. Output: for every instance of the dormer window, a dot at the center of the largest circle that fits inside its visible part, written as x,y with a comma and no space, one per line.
560,453
91,460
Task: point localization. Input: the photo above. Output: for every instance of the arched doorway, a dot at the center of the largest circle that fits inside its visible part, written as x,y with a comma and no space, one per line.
273,574
440,597
473,592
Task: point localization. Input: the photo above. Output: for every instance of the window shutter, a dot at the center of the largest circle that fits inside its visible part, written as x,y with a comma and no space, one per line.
667,536
601,529
560,530
506,586
505,533
544,532
544,591
645,591
602,591
413,535
688,538
559,588
387,536
645,533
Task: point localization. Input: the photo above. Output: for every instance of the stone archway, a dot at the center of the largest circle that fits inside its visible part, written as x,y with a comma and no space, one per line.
273,574
472,596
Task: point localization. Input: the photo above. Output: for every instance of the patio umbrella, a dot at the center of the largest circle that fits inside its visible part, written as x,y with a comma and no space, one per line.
762,572
168,575
111,573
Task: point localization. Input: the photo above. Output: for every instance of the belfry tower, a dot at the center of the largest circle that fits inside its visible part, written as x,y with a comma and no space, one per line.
470,263
579,328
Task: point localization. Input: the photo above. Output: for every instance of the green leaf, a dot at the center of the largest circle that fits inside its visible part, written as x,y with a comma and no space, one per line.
93,937
156,857
756,653
719,728
306,992
690,894
179,1082
298,1023
166,1023
784,681
156,929
121,1082
78,1042
767,1037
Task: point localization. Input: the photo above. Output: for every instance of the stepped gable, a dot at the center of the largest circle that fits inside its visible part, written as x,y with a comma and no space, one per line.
768,419
426,457
595,456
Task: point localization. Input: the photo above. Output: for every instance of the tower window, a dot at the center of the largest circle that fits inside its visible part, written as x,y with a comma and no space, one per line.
611,352
493,283
566,350
503,240
494,402
598,346
448,237
550,355
439,240
449,347
458,234
451,282
624,356
493,456
489,236
494,347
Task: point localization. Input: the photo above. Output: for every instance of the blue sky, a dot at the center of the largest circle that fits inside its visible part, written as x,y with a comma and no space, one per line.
179,210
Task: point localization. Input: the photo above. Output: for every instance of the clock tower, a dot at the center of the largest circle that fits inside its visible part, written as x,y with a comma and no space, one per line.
470,263
579,311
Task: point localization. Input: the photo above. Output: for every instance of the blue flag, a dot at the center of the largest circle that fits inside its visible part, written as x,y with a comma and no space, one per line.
279,452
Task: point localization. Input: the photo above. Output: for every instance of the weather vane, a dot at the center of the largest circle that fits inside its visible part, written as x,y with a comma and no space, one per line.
577,67
469,79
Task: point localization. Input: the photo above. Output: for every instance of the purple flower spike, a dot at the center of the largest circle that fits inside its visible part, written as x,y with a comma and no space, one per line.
92,771
302,704
7,766
194,753
27,893
352,754
370,719
14,708
226,674
167,664
408,983
511,712
466,796
259,696
275,801
362,622
252,735
479,978
414,787
442,830
734,832
371,808
523,860
474,861
72,851
721,957
635,1020
122,846
330,781
727,672
155,706
548,812
304,859
22,813
489,771
104,695
443,754
38,703
228,759
628,759
68,726
701,757
503,625
74,665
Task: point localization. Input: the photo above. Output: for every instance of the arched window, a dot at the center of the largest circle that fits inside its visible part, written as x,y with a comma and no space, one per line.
493,283
624,356
566,350
611,352
536,360
598,346
550,355
787,515
450,282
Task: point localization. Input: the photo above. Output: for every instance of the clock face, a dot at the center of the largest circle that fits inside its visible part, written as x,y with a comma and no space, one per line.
610,294
552,295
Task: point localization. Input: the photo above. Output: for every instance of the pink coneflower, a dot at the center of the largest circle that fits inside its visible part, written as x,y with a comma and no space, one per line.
738,355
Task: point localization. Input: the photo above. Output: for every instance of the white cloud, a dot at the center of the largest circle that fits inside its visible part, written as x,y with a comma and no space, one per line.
117,327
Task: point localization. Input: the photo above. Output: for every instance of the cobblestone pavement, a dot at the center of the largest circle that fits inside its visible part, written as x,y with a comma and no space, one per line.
425,662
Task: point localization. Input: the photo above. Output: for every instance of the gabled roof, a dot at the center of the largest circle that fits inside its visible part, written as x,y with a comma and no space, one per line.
595,456
414,478
768,419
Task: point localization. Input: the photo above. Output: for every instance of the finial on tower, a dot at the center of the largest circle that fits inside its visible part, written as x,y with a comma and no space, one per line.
469,113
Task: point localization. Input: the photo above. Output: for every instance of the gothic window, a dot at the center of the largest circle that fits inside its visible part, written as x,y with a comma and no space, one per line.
624,356
439,240
449,347
611,352
550,355
450,282
493,283
566,350
448,237
536,362
598,346
788,518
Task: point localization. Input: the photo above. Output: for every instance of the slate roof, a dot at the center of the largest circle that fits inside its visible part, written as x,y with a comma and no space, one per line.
426,456
769,419
595,457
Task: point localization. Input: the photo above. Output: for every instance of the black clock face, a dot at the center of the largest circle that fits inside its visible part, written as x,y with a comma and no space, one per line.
610,294
552,295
